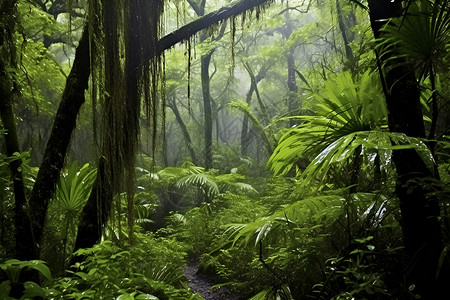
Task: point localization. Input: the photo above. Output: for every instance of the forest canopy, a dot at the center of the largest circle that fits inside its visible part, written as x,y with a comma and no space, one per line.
217,149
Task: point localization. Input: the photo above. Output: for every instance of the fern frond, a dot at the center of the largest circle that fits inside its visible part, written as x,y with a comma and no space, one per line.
244,188
202,181
267,294
422,36
276,224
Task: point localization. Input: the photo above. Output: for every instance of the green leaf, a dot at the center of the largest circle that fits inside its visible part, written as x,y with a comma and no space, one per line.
5,287
125,296
146,297
33,290
40,266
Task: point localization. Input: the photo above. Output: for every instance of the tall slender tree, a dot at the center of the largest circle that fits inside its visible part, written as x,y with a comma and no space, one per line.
419,208
8,94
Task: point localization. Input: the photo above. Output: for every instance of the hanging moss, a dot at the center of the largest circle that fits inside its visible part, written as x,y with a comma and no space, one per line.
122,84
189,51
128,74
233,38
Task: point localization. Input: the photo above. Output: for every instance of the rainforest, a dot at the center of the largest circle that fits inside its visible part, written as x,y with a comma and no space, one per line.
224,149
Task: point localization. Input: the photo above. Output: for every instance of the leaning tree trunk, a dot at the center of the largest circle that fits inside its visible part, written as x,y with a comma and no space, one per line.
246,133
205,61
246,136
186,135
419,208
29,232
343,28
55,151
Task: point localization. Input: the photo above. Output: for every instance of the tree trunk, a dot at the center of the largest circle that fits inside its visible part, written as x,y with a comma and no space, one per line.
206,80
205,61
246,135
24,242
184,130
293,104
55,151
121,113
343,28
419,208
23,233
95,213
206,21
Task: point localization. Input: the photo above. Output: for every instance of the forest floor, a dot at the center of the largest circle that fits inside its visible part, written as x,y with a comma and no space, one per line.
202,283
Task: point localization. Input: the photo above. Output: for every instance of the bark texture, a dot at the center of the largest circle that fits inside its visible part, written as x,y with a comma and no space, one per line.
246,133
205,61
23,232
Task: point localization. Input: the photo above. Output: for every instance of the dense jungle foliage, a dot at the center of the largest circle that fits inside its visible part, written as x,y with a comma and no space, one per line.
290,149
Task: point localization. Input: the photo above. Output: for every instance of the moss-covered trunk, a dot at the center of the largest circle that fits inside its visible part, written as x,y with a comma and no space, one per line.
24,241
57,145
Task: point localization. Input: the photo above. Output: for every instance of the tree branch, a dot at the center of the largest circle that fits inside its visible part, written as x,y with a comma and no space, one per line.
192,28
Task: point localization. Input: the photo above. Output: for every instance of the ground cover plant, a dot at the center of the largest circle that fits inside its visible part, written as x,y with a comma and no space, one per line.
217,149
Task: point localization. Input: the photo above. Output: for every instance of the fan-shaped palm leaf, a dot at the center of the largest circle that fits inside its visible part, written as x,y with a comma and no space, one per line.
351,120
72,192
422,37
343,108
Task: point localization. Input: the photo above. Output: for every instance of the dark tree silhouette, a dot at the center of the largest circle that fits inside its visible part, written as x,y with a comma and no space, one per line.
419,208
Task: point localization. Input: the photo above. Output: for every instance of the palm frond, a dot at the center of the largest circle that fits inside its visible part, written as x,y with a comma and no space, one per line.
267,294
73,190
233,182
421,37
245,188
349,115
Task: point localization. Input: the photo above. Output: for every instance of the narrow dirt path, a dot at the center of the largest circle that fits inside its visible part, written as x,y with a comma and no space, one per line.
202,283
